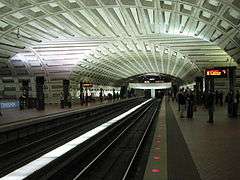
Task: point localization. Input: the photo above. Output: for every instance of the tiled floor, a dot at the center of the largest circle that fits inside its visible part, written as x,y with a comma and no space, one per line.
215,148
16,115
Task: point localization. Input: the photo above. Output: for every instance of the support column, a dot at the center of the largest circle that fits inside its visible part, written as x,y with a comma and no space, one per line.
40,93
231,95
25,91
153,93
66,84
81,93
232,79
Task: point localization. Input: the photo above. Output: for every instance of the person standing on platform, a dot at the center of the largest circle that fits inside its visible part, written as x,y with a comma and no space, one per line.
190,102
117,96
114,95
21,102
101,95
182,102
210,106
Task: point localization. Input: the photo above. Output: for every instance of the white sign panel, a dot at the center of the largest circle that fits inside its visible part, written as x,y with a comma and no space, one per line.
150,85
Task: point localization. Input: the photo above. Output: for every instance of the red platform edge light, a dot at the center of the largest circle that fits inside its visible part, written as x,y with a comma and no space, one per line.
155,170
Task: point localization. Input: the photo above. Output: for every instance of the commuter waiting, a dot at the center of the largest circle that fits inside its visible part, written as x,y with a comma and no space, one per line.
181,102
190,103
210,106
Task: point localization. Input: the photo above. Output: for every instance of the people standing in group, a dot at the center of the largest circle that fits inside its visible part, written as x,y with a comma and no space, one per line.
182,102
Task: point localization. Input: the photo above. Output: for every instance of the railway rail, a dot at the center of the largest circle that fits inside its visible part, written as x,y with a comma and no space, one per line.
18,152
109,155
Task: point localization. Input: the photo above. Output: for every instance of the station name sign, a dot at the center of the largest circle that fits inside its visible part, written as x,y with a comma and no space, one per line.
216,72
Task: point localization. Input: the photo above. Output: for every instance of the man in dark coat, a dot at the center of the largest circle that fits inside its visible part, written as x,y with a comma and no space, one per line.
182,102
210,105
190,101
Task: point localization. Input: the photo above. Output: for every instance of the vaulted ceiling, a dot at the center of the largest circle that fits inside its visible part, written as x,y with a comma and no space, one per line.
107,40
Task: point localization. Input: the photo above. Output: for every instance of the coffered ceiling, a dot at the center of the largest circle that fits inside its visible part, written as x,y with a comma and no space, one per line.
107,40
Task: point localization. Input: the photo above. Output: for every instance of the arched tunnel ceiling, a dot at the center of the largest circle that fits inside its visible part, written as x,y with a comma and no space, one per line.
104,40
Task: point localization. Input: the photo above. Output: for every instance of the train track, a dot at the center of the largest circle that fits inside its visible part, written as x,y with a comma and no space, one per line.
110,155
29,148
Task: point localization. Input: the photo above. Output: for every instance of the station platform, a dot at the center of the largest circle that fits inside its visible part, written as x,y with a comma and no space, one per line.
192,149
214,147
13,116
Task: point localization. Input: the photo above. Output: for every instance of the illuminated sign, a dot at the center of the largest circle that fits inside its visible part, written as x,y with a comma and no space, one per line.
9,105
87,85
216,72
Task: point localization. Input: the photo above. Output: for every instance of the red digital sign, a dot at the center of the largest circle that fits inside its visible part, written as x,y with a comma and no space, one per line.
216,72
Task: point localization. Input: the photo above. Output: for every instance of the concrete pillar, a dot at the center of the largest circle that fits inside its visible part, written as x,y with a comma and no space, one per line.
66,84
153,93
232,79
232,109
81,93
40,92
